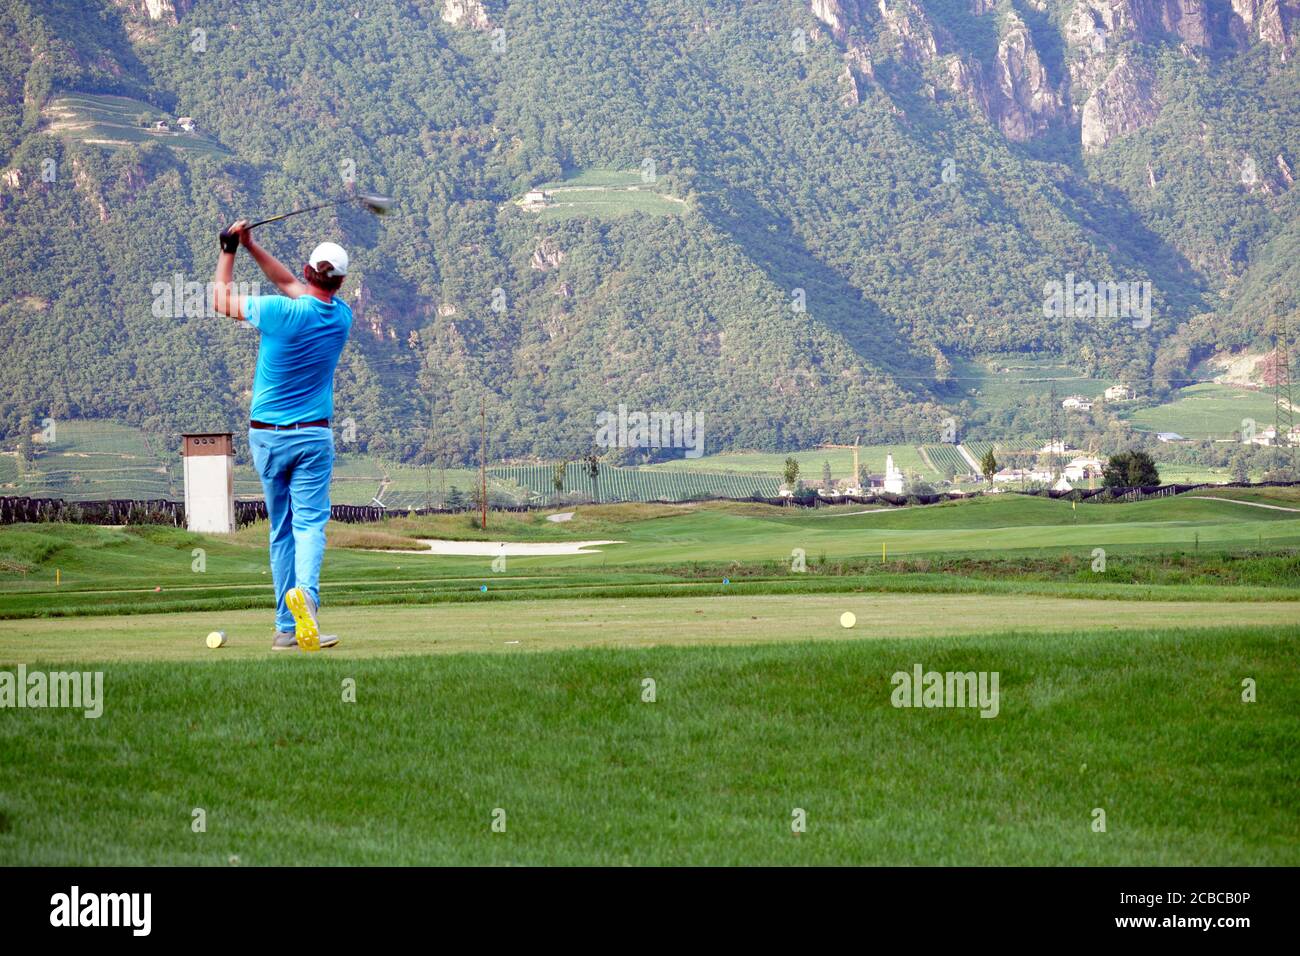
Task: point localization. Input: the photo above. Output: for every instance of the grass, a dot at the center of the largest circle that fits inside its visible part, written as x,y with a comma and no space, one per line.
727,616
1207,410
1150,727
1118,689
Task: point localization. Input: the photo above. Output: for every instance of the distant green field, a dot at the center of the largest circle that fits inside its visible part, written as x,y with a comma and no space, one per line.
906,457
115,121
1003,381
1207,410
92,460
637,484
104,459
606,193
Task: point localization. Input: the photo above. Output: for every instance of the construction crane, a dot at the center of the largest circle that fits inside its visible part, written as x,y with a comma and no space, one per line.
857,482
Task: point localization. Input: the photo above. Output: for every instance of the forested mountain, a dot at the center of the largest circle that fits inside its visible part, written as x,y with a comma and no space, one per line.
850,197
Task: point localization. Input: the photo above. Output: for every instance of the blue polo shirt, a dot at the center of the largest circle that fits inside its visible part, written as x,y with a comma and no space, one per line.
302,340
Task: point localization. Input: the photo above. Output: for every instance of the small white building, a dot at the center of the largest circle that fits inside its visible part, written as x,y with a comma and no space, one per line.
1082,468
1120,393
535,199
1169,437
209,459
1022,475
1077,403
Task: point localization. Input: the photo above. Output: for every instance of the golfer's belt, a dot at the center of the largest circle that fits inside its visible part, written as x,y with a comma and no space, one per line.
319,423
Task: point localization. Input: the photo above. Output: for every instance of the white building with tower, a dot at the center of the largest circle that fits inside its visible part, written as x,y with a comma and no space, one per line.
893,477
209,460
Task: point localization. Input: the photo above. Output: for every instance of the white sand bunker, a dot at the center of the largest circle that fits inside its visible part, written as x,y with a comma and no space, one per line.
520,549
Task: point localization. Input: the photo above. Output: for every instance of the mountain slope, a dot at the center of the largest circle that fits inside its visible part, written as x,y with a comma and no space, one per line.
867,191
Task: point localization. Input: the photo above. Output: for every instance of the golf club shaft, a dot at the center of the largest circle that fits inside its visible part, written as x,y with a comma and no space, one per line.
296,212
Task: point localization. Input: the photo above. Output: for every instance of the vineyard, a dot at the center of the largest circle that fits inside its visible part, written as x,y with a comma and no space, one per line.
632,484
979,449
947,459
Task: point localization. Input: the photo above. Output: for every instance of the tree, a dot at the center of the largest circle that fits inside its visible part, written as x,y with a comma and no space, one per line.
826,475
26,451
942,368
1130,469
1240,468
989,465
456,500
592,464
790,473
557,479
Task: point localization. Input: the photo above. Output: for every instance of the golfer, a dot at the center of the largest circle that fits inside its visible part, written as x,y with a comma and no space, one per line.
303,332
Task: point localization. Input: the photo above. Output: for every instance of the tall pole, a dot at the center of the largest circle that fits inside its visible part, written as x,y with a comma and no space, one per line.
1283,410
482,461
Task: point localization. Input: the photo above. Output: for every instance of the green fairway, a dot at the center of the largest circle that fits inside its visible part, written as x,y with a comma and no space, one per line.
1150,728
623,622
668,550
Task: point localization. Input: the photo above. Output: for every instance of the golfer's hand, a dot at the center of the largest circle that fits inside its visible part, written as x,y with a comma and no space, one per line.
245,234
232,237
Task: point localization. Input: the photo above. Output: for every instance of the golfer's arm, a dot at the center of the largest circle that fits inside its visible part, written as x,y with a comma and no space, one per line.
224,298
272,268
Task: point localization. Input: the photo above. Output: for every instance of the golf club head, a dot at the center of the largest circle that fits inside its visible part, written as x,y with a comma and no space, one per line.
377,204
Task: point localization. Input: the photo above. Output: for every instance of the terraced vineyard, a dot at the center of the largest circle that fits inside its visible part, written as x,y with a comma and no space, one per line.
634,484
606,193
116,121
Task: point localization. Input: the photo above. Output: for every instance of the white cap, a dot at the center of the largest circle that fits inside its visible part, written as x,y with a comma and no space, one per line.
333,254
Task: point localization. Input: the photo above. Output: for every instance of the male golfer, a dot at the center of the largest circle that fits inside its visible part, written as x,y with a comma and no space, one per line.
303,333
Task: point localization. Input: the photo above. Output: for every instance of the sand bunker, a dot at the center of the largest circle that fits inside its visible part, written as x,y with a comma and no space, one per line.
513,549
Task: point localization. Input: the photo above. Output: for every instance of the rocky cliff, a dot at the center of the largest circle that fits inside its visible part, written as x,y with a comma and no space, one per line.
1100,86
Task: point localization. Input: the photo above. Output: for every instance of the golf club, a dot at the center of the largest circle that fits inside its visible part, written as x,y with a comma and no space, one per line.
379,205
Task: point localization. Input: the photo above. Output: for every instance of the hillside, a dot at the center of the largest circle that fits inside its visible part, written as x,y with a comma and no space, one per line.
810,220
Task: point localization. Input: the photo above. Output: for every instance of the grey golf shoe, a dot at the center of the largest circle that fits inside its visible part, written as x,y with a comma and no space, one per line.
288,641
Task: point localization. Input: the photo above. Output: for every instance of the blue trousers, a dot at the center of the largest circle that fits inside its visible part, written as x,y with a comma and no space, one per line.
295,468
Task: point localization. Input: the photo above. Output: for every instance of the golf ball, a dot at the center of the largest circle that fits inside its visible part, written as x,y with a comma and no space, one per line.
848,619
216,639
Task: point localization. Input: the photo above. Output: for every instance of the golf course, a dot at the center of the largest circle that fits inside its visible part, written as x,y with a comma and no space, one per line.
677,696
